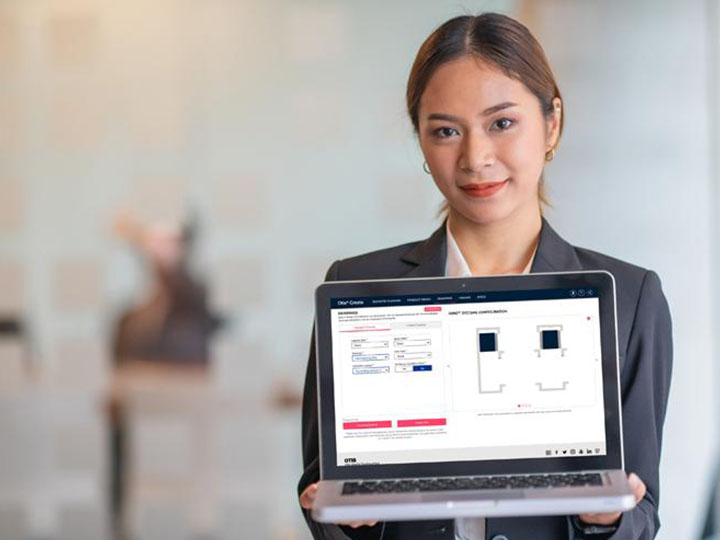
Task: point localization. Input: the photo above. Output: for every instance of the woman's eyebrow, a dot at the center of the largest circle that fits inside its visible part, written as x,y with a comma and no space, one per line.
486,112
498,107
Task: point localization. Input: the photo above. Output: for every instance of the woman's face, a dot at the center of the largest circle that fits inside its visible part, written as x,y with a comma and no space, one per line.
484,138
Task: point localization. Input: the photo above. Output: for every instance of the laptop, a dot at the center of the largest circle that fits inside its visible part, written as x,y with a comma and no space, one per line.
467,397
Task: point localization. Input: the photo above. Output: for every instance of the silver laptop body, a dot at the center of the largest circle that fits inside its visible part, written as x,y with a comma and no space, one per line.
465,397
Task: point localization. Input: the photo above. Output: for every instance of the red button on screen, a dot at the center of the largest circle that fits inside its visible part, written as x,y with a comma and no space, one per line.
368,425
422,422
433,308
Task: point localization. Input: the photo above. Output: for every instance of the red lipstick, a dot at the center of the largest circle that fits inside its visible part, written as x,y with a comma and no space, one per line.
484,189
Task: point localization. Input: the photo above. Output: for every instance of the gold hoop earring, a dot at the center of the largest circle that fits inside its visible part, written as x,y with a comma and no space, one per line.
426,168
550,155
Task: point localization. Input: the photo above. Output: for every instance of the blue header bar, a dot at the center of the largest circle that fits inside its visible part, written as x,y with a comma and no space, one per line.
462,298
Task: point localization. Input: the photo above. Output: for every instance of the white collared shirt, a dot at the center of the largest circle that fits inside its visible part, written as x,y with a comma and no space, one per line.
455,263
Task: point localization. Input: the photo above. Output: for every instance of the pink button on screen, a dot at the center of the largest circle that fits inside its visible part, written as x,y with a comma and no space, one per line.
422,422
368,425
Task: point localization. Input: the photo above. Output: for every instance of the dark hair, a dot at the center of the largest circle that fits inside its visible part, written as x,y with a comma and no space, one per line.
497,39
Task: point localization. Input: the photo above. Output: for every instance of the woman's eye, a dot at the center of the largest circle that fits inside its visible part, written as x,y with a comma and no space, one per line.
445,132
503,123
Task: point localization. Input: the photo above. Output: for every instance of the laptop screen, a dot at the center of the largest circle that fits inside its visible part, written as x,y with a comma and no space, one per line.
467,376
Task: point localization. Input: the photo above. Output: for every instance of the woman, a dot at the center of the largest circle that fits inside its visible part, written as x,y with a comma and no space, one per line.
488,115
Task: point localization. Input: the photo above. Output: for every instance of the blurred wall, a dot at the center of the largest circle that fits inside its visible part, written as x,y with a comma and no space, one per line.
282,125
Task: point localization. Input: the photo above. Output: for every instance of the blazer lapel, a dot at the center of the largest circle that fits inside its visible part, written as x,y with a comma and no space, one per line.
553,254
428,256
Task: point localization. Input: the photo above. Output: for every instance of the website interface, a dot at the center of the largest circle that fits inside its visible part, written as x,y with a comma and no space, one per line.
471,376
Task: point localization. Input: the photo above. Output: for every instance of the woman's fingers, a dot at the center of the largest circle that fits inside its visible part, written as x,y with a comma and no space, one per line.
308,496
638,487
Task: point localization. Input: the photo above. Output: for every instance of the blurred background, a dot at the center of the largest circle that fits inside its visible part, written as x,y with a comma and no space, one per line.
177,175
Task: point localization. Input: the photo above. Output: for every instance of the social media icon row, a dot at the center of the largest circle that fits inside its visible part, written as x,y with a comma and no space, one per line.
573,452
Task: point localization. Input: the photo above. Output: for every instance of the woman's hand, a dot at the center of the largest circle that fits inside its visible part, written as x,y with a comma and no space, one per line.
308,496
639,490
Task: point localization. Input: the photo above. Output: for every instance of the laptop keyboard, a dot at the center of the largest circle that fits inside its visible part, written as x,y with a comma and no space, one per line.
471,483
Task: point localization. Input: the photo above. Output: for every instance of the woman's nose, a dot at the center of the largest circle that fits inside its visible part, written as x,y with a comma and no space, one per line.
477,152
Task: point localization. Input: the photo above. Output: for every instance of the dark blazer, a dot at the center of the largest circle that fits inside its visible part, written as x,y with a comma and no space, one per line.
645,345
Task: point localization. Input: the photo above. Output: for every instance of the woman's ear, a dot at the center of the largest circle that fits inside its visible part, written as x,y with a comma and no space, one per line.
553,124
